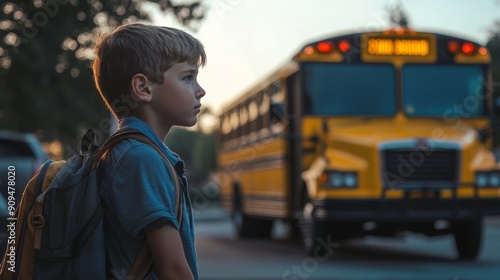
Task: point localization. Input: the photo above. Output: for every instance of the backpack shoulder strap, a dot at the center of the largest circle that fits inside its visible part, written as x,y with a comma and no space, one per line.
144,259
133,134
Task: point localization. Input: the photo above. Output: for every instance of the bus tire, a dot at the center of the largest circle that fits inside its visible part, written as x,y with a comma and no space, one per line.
261,227
315,233
468,239
246,226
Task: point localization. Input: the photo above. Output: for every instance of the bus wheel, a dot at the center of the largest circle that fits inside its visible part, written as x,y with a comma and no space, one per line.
314,233
247,226
468,237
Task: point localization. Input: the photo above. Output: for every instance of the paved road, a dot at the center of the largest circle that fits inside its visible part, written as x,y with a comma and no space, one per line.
222,256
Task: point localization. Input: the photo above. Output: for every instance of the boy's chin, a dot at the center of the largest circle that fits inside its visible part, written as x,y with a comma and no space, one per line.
188,124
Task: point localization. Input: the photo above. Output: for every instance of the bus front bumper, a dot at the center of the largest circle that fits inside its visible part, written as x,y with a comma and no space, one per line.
393,210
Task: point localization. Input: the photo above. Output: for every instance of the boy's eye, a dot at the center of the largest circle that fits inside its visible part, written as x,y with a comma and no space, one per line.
188,78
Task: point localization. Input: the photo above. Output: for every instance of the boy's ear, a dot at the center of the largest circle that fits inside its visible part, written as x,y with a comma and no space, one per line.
142,88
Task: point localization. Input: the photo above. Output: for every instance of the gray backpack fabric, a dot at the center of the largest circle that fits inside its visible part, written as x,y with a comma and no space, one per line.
60,232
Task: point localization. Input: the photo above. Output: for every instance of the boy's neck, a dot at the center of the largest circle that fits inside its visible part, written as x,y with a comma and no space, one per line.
159,128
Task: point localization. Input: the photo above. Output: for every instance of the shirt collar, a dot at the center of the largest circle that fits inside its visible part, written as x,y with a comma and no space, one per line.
139,125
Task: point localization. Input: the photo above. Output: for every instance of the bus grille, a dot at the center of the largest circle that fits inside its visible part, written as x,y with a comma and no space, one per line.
411,166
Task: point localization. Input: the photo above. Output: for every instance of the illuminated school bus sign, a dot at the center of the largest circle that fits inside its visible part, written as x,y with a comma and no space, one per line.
415,47
378,47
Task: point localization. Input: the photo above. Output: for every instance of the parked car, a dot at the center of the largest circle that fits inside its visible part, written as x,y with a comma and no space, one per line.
21,154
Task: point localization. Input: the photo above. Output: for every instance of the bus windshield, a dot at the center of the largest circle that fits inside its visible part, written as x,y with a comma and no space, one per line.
349,89
443,90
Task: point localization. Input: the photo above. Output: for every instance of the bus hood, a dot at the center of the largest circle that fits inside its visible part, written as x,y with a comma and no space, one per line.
357,145
372,134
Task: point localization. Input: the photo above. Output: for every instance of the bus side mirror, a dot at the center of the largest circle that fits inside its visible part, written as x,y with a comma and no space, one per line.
277,112
496,105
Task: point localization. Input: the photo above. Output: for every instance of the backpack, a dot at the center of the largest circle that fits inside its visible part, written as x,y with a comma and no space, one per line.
57,229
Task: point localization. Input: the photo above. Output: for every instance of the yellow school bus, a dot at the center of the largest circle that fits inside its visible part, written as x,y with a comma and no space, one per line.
366,134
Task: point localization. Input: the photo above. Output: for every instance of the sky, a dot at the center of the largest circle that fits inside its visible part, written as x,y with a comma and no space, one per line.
246,40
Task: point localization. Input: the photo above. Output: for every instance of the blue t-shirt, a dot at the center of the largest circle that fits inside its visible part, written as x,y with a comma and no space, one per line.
138,193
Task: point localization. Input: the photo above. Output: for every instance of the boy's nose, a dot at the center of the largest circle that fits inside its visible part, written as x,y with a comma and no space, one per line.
200,93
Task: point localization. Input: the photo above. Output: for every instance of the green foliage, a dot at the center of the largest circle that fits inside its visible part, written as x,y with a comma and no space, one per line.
197,149
493,46
45,53
204,156
398,16
182,141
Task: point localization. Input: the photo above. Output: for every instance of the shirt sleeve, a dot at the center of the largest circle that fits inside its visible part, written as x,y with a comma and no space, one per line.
142,190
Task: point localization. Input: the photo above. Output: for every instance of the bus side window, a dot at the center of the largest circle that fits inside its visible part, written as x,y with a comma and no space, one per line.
277,106
234,124
253,114
277,112
258,100
244,123
224,128
264,110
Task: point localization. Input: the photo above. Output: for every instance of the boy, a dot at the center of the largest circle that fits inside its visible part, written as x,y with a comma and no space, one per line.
147,76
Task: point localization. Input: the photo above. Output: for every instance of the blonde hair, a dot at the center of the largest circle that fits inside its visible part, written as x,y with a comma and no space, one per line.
140,48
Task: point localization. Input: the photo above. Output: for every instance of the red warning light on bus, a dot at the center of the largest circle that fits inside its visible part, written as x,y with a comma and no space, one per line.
344,46
453,47
324,47
467,48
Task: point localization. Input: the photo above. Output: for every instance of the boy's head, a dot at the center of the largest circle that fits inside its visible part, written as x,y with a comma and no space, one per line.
139,49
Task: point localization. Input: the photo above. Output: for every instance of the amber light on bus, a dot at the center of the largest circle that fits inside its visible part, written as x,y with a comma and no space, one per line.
308,50
483,51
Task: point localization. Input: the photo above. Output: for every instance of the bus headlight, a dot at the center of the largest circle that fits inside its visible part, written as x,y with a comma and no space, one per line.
336,179
494,179
339,179
482,180
351,180
488,179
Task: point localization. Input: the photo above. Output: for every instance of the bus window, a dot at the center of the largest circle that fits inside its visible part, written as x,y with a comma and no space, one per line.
264,105
234,125
253,111
253,114
244,123
350,89
277,95
226,128
448,86
264,115
277,112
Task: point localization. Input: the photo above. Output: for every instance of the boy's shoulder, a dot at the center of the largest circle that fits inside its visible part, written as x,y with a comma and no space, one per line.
131,163
133,152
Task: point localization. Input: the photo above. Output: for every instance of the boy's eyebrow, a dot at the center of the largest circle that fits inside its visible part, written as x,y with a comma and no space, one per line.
192,70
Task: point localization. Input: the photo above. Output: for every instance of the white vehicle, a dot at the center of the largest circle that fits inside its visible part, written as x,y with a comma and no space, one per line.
21,154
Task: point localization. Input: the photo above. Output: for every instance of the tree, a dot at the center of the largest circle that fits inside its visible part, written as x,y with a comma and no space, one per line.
45,53
204,156
398,16
493,46
197,149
